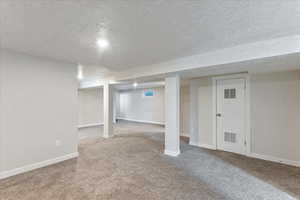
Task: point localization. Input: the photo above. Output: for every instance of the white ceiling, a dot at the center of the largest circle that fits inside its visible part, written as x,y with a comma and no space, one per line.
141,32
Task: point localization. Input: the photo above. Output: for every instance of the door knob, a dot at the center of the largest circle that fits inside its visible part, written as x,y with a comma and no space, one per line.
219,115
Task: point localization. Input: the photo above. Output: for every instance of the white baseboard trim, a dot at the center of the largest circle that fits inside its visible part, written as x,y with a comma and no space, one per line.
275,159
34,166
184,134
141,121
206,146
89,125
172,153
255,155
87,136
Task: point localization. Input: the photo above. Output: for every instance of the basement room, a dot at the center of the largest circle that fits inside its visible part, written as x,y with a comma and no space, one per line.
154,100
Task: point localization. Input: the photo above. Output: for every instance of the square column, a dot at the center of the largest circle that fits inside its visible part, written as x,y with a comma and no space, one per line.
172,116
107,110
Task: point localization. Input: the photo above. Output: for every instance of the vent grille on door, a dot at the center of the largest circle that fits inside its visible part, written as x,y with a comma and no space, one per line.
230,137
230,93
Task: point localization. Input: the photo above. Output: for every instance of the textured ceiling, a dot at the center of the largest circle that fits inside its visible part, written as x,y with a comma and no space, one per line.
141,32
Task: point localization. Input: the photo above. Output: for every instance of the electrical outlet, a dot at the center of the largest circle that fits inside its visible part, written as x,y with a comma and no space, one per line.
58,143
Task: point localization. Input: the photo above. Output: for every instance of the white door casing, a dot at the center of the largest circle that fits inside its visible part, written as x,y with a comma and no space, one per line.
231,115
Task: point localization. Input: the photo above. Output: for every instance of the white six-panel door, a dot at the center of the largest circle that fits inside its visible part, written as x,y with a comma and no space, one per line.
231,115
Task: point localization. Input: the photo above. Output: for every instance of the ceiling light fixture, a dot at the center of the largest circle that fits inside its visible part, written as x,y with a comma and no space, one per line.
102,43
80,76
135,84
80,72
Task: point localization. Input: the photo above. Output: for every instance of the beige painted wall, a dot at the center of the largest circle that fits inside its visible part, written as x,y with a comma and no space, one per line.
90,112
136,107
1,114
90,106
205,111
39,106
275,119
201,111
275,108
133,105
184,110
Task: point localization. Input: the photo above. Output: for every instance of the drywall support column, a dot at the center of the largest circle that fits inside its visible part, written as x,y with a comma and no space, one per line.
108,110
194,133
172,116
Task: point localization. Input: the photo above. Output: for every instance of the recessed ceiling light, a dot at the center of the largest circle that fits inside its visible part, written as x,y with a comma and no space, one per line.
102,43
135,84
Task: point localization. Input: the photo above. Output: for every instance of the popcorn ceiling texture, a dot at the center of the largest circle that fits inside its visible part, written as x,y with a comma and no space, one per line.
131,166
141,32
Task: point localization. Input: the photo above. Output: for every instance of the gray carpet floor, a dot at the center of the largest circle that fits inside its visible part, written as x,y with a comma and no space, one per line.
233,182
131,166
